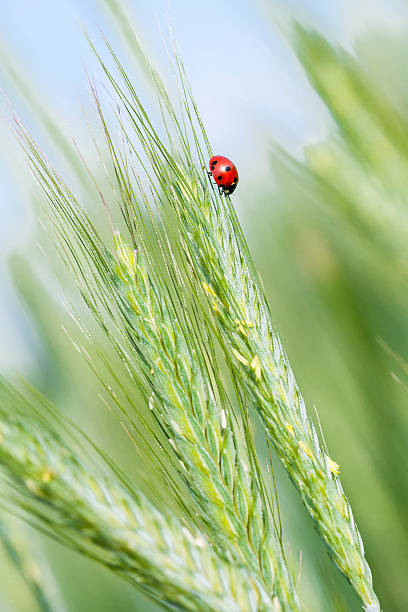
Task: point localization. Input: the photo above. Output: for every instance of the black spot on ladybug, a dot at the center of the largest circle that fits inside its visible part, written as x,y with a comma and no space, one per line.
219,177
214,162
227,168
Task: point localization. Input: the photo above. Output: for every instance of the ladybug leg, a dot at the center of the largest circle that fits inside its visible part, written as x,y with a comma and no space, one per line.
210,176
208,173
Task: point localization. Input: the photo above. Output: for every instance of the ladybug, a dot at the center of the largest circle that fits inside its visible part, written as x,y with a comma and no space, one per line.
224,173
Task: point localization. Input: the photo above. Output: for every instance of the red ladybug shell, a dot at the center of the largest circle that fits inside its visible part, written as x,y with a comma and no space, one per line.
224,173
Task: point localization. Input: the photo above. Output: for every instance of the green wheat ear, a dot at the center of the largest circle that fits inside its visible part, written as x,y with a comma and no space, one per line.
80,502
211,237
161,345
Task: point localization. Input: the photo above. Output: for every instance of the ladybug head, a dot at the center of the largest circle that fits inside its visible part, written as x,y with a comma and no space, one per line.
231,189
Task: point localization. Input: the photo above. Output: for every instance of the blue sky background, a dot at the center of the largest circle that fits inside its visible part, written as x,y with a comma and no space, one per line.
248,84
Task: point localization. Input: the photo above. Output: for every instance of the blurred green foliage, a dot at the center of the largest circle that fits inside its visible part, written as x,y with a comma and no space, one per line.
330,241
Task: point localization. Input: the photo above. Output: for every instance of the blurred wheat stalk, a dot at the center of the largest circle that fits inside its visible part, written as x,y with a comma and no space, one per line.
224,552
